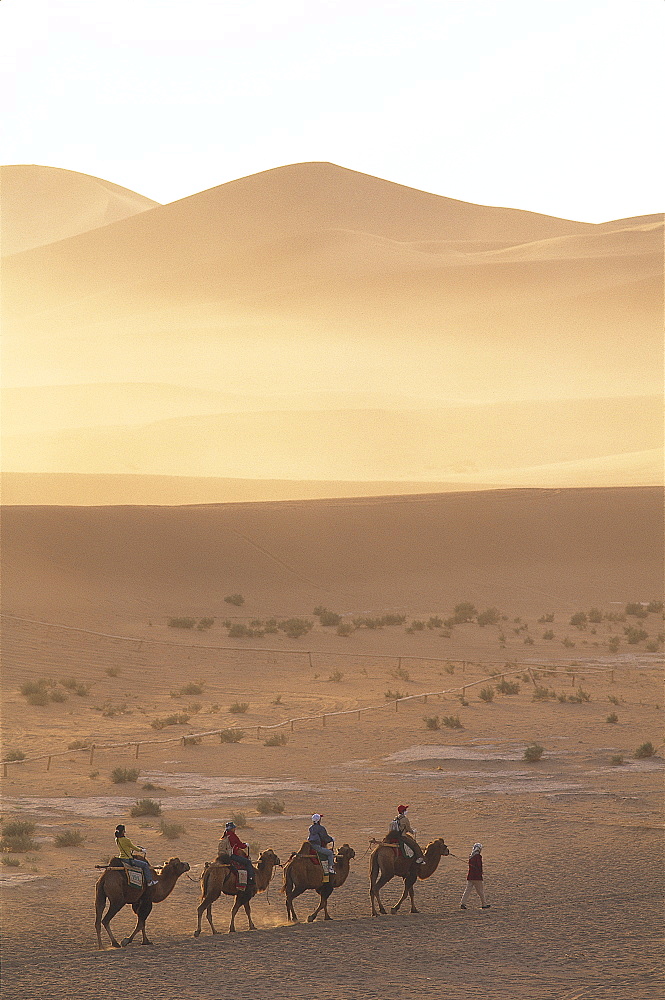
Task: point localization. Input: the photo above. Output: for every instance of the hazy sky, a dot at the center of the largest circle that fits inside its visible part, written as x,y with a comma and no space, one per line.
547,105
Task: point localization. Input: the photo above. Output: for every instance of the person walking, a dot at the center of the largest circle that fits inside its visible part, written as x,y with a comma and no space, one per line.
474,879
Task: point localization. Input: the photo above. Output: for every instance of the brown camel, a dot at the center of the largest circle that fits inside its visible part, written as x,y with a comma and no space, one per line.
301,874
113,886
386,863
219,878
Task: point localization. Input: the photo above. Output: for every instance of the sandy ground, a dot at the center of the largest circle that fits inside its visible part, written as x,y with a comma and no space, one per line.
572,843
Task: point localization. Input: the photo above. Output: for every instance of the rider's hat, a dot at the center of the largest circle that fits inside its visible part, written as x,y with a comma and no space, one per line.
230,825
316,817
402,809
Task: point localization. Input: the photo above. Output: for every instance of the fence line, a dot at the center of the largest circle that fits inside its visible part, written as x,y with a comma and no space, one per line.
515,668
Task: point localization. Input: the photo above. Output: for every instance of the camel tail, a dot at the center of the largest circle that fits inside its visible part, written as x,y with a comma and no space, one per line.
285,881
100,903
374,868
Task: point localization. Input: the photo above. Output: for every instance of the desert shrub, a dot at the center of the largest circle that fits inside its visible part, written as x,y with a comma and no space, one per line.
579,619
534,752
181,622
14,755
177,719
205,623
579,697
508,687
239,707
462,700
240,820
595,616
449,668
636,610
146,807
11,862
529,641
112,671
568,643
400,674
549,634
616,760
231,735
270,806
58,696
434,622
336,676
526,678
563,698
345,629
655,607
171,830
612,717
452,722
490,616
17,836
502,638
486,694
236,599
635,635
417,625
149,787
613,644
329,618
109,710
191,688
119,775
270,627
392,695
277,700
240,631
191,741
195,707
541,693
615,616
546,618
652,646
277,740
465,612
431,722
69,838
644,750
612,699
296,627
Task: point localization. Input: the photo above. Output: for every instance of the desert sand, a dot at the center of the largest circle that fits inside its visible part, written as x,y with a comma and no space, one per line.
439,424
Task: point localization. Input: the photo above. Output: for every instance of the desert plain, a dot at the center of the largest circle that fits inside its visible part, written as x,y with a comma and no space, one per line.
346,503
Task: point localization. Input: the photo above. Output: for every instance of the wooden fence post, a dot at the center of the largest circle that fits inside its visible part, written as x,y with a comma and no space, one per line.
309,655
323,720
425,700
92,753
291,725
137,750
4,770
611,677
396,704
258,732
48,764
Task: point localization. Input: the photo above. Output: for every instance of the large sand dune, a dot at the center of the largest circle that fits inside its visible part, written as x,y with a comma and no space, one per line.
42,205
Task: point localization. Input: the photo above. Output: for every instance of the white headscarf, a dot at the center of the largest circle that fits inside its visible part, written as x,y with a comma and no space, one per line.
316,818
477,848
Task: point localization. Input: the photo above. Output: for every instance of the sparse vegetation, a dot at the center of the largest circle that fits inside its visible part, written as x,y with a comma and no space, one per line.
612,699
146,807
568,643
205,623
296,627
69,838
644,750
231,735
533,752
239,707
579,619
616,760
578,698
191,741
177,719
14,755
236,599
336,676
655,607
549,634
112,671
546,618
431,722
652,646
635,635
595,616
393,695
345,629
541,693
612,717
452,722
11,862
190,689
434,622
508,687
277,740
119,775
277,700
613,644
181,622
327,618
400,674
486,694
464,612
636,610
240,820
270,806
490,616
17,836
171,830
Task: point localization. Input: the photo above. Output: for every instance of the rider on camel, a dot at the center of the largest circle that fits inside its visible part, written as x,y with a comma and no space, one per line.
402,833
319,838
232,844
125,853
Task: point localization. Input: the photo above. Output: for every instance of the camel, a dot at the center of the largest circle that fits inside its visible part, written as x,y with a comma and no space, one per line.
386,863
113,886
301,874
218,878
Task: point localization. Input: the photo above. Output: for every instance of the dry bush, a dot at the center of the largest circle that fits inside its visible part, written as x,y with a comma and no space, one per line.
69,838
119,775
508,687
177,719
270,806
236,599
239,707
345,629
112,671
14,755
644,750
612,717
181,622
336,676
431,722
486,694
11,862
278,740
171,830
191,741
393,695
231,735
399,674
541,693
146,807
452,722
534,752
240,820
17,836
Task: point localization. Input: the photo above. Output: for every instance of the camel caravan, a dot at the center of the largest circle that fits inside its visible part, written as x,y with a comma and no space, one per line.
128,878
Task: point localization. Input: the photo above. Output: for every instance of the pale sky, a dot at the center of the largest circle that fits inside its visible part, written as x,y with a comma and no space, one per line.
548,105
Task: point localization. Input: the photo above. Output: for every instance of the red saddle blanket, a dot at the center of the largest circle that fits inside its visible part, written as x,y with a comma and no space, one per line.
309,851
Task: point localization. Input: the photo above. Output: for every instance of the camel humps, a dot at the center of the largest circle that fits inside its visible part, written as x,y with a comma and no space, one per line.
219,878
300,874
113,886
386,863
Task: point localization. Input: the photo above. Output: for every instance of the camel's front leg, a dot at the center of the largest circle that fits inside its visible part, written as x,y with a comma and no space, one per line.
374,893
140,926
205,905
106,923
413,903
395,908
290,896
142,909
321,906
248,911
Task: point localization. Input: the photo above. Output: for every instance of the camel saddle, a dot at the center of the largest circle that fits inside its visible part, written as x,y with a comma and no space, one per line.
227,861
310,852
134,875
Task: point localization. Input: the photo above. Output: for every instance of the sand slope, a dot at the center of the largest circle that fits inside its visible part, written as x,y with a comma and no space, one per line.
42,205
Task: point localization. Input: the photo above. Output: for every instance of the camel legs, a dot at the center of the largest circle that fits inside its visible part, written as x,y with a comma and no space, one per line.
105,923
291,894
142,909
408,891
374,892
238,902
206,904
323,905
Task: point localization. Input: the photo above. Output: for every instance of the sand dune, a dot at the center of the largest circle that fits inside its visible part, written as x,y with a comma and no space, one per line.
473,443
42,205
512,548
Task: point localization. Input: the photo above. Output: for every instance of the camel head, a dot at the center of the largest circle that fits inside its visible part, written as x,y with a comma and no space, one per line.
174,866
438,845
269,858
345,853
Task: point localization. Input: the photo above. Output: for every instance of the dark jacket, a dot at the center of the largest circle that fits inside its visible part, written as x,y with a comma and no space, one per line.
475,869
318,835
